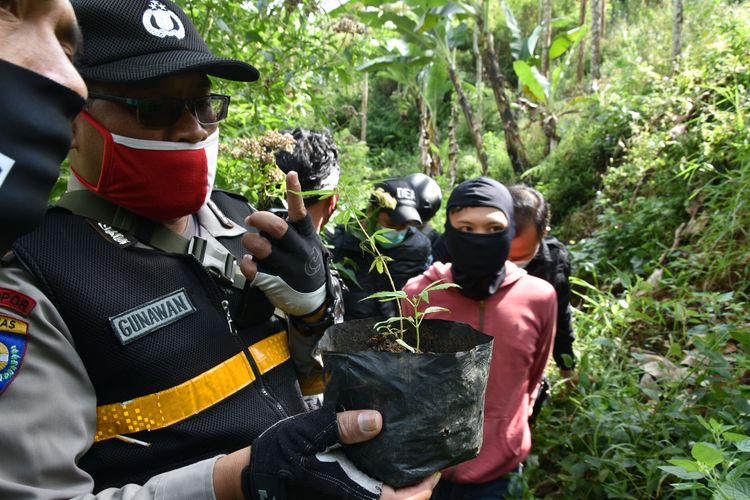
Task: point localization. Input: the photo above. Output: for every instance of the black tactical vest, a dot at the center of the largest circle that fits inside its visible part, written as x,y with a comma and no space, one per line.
91,279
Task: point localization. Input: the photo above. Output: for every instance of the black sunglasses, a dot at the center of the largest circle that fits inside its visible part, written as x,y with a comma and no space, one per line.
162,112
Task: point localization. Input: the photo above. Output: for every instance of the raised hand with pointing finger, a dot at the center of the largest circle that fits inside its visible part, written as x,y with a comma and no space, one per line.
286,261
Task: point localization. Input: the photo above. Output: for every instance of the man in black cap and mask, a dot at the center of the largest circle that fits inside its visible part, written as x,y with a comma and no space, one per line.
41,93
392,212
502,300
139,349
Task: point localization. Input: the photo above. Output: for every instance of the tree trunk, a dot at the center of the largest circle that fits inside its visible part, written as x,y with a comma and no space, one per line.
436,164
547,35
513,143
363,112
582,45
479,70
424,137
677,19
431,163
596,54
452,144
549,127
464,102
602,18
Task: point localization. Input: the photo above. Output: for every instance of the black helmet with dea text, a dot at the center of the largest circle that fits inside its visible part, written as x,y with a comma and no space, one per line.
428,195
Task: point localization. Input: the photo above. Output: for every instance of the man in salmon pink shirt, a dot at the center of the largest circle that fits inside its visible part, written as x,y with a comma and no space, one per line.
504,301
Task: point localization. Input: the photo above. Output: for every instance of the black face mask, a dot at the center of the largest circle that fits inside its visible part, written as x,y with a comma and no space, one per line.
478,260
34,138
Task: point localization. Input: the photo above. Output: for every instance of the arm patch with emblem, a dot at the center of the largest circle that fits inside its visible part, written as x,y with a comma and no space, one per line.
13,340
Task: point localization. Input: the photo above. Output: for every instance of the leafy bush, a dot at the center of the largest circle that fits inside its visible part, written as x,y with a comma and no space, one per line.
650,368
663,406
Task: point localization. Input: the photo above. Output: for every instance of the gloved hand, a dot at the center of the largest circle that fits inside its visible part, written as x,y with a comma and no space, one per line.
288,263
304,450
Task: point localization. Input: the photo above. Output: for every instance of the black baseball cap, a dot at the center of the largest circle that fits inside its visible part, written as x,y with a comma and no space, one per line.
136,40
406,201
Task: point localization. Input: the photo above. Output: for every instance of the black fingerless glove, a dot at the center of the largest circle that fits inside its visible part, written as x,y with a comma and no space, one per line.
304,451
293,276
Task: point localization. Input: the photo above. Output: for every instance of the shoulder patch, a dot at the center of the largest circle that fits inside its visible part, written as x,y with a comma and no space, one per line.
17,301
151,316
13,340
111,234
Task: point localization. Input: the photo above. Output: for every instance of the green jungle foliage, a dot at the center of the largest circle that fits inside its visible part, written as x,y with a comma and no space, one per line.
661,250
649,185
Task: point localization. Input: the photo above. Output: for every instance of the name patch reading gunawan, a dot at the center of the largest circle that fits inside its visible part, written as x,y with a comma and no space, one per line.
151,316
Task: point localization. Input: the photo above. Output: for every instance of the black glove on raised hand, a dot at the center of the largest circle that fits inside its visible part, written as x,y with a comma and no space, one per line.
304,450
293,276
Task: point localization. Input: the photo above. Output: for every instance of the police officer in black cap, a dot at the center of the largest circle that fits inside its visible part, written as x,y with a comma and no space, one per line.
139,352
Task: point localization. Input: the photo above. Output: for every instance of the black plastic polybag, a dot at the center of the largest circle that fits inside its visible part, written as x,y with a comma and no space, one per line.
432,403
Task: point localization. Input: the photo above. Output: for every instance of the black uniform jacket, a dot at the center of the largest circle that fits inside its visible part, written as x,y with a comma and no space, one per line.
552,264
145,322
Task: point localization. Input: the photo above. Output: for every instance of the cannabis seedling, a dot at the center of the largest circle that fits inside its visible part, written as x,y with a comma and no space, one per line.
386,327
393,325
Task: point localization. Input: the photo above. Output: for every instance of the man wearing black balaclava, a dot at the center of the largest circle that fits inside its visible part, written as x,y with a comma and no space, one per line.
502,300
41,93
479,255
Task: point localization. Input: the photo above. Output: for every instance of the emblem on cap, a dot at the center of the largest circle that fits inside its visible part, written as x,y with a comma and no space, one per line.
162,22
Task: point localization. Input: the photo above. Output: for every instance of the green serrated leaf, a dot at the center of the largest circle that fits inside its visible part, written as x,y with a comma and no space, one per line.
743,445
737,490
733,437
707,454
687,486
681,473
379,265
688,465
399,294
443,286
739,471
435,309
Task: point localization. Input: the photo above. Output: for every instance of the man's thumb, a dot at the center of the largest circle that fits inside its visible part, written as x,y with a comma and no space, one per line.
359,425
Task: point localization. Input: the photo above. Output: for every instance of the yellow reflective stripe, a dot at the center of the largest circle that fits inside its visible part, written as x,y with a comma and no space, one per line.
167,407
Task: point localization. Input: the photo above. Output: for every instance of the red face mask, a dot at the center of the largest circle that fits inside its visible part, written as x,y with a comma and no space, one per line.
158,180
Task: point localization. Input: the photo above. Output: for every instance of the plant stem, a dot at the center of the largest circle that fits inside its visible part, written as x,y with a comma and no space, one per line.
374,249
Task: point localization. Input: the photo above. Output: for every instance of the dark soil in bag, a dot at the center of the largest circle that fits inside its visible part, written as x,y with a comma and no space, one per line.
432,403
